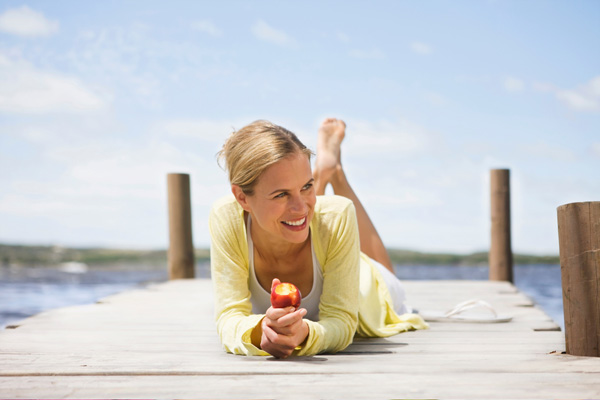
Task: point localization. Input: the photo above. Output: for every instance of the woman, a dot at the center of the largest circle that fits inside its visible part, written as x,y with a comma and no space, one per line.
278,226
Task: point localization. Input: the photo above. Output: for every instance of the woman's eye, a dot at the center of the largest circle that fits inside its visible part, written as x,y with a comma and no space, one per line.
280,195
308,186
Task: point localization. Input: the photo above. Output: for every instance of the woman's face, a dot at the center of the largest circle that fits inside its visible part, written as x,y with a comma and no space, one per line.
283,202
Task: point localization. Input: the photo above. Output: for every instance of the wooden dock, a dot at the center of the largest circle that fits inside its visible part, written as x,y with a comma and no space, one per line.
160,342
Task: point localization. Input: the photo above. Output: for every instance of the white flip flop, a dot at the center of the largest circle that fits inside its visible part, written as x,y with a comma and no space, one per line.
455,314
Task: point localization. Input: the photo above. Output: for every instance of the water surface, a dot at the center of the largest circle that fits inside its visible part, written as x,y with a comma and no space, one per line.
25,291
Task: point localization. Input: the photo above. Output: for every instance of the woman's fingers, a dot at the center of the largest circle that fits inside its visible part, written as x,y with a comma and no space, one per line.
284,320
275,344
280,336
277,313
275,283
289,320
270,334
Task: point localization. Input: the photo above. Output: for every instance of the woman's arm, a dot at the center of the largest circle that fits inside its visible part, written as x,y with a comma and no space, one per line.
337,243
229,273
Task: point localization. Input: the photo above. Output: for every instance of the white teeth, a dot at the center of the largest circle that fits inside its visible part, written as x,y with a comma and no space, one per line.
295,223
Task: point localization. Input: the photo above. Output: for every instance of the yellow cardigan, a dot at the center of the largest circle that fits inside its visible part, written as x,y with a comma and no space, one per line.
346,308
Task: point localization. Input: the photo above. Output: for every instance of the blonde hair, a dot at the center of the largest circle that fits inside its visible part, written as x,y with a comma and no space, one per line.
249,151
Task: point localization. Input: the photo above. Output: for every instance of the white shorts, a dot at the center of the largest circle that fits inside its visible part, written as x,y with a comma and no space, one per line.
395,288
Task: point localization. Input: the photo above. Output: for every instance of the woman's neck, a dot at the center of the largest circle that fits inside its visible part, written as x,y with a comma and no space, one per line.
278,258
273,248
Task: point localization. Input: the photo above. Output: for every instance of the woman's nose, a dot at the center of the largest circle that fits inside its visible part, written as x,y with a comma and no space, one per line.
298,204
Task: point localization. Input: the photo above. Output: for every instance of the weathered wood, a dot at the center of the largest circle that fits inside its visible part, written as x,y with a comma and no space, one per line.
325,385
181,249
162,342
500,256
579,241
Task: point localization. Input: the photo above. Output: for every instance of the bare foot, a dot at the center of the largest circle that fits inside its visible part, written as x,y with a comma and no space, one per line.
331,134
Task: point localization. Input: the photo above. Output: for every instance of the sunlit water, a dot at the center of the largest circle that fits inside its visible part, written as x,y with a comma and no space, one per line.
25,291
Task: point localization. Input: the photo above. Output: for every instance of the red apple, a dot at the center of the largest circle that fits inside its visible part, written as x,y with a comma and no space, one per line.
285,295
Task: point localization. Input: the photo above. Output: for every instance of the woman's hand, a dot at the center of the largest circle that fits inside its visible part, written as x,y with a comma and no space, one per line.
283,329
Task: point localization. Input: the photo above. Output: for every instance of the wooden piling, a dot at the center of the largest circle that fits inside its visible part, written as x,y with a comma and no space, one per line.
579,242
181,249
500,256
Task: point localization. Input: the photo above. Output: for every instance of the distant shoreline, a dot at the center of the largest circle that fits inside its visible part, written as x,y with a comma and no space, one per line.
408,257
28,255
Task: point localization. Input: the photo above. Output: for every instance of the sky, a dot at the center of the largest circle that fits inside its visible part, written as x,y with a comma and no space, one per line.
99,101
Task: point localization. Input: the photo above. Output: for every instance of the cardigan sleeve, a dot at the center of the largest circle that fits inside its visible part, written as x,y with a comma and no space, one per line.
229,273
336,242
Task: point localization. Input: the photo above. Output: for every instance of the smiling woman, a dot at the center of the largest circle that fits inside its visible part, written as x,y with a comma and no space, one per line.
283,202
275,228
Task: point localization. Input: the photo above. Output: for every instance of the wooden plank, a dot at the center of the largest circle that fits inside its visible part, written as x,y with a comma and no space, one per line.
161,342
475,385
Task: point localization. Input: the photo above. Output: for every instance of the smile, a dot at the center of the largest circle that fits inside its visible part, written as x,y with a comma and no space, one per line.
299,222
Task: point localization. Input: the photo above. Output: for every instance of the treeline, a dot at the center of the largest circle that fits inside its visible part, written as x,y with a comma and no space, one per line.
53,255
408,257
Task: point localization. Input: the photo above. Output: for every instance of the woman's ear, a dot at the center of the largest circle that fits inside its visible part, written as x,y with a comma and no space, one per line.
241,197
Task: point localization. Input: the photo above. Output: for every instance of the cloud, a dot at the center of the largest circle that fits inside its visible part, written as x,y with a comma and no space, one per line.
130,61
421,48
547,151
266,32
211,131
26,22
434,98
374,54
596,149
106,187
386,137
342,37
25,89
513,84
584,98
206,26
406,197
543,87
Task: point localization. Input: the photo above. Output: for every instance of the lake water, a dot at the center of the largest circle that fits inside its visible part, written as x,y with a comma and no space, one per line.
25,291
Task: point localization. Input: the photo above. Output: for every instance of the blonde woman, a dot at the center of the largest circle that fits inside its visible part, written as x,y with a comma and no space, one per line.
279,226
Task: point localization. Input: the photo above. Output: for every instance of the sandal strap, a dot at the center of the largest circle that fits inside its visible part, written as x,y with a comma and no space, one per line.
469,304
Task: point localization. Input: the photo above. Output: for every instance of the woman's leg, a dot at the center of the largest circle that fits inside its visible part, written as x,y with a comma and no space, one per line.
328,170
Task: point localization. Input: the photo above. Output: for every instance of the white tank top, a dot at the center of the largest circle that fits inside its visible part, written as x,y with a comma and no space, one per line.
261,299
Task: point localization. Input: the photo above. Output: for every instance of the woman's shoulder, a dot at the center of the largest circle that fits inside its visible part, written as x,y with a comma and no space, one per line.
333,204
334,228
333,210
227,208
225,202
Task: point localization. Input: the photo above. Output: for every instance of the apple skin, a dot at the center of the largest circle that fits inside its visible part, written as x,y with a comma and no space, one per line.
285,295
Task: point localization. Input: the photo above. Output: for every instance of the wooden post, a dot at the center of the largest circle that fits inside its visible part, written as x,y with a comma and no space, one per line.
500,256
579,242
181,248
